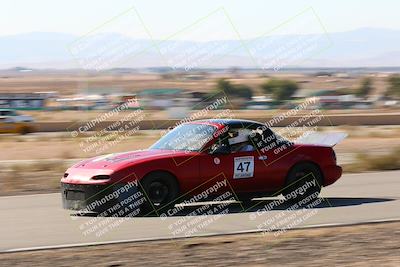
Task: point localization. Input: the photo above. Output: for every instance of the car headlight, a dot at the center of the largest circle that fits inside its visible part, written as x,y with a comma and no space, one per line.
101,177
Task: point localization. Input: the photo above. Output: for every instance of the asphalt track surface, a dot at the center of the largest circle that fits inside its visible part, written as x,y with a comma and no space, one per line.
37,221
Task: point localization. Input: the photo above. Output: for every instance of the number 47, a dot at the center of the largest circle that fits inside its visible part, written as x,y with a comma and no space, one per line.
240,166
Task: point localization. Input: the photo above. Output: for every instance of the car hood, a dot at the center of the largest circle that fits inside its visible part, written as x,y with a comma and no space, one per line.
117,161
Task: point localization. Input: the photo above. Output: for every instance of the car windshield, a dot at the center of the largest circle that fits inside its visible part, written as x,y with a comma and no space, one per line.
186,137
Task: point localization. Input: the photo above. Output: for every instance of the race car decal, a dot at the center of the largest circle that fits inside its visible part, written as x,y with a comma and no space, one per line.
243,167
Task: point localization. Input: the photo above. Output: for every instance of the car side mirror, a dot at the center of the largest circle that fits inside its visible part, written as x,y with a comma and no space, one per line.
219,149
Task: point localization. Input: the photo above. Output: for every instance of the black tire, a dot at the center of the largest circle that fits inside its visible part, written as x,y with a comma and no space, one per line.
161,189
246,202
303,176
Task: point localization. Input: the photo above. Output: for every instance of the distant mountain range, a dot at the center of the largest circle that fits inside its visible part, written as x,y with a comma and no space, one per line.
366,47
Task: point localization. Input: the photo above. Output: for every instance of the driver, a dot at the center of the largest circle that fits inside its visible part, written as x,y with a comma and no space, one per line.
239,141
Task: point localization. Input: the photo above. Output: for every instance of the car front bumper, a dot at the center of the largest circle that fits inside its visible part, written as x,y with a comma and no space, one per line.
97,198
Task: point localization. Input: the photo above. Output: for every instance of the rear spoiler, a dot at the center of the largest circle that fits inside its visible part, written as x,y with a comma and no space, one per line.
321,139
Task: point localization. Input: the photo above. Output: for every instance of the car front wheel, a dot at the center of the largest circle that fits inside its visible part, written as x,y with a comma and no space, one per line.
161,191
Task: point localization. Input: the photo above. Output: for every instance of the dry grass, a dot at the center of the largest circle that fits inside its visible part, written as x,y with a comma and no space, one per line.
67,155
38,177
364,162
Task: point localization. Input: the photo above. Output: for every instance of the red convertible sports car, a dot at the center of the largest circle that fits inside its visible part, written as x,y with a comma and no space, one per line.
201,159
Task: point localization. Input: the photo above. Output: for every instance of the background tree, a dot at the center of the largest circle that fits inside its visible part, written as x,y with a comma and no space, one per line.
365,88
280,89
242,91
225,86
394,86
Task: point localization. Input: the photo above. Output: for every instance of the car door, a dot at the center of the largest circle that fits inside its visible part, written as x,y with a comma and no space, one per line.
246,171
276,153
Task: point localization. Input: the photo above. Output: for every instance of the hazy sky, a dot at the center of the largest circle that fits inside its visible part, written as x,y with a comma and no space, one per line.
163,18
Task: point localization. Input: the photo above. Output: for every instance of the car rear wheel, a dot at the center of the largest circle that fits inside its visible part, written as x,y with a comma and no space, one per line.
161,191
303,181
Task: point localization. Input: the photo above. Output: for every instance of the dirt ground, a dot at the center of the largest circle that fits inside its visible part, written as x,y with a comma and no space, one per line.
23,148
363,245
70,82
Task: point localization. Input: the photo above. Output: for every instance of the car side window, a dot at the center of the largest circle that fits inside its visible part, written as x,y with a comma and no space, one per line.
239,140
223,140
